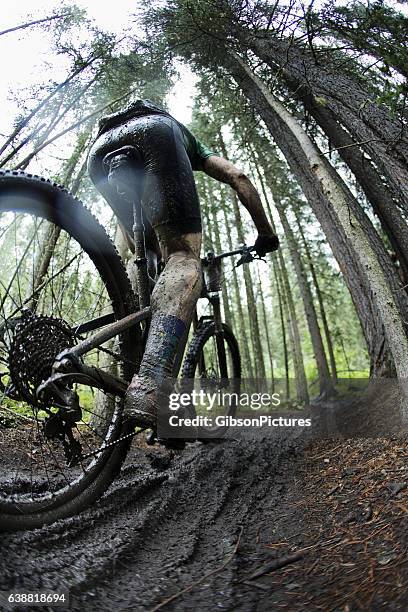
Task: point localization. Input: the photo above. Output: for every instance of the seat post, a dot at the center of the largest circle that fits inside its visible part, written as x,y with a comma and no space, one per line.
140,259
123,169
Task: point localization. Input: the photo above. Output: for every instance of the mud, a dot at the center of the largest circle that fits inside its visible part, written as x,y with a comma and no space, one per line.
141,544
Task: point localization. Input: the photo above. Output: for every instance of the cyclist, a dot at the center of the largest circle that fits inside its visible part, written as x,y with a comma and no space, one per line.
164,185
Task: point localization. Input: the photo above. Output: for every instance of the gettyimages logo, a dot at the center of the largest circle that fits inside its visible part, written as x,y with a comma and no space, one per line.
228,408
212,400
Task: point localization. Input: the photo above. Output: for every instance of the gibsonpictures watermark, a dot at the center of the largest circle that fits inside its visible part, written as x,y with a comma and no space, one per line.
224,409
233,421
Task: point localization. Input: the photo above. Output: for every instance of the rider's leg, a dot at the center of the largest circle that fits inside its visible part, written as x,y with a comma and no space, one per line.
171,205
173,302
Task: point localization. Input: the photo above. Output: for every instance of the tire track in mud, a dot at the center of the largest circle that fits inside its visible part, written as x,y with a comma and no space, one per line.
161,527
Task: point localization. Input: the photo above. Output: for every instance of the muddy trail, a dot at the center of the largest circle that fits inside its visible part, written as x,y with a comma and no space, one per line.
163,526
274,523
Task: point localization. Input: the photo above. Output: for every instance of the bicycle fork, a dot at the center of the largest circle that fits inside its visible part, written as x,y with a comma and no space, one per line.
213,279
219,336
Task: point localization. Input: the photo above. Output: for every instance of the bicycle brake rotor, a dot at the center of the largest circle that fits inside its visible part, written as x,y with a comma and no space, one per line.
37,340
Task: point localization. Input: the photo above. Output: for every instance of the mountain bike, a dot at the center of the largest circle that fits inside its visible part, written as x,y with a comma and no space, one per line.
72,335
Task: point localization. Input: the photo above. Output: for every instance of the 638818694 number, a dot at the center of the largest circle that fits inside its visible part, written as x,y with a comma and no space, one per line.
10,599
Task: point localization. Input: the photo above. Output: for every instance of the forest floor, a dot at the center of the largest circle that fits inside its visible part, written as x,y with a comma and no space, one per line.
283,523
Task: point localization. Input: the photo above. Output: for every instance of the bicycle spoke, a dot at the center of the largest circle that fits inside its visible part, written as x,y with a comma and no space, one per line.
95,433
15,414
6,290
58,465
31,467
18,276
48,286
16,272
96,415
42,453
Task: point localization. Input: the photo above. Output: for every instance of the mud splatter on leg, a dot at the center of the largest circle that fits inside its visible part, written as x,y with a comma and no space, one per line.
173,302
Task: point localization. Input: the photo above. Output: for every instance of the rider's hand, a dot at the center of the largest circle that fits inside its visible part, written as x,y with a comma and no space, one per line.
266,243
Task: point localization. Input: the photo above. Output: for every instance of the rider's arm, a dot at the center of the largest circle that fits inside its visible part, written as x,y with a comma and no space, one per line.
225,171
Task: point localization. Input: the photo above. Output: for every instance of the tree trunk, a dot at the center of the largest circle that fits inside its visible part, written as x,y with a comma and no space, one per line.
72,127
320,300
252,312
215,237
282,277
266,326
369,123
105,404
298,362
325,382
48,243
50,239
56,119
23,26
282,317
283,328
377,193
373,285
24,122
318,293
237,299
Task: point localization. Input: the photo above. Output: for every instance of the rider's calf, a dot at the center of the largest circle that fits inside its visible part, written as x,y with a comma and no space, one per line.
173,302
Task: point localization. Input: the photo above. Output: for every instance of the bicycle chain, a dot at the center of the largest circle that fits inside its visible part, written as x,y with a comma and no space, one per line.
109,445
36,342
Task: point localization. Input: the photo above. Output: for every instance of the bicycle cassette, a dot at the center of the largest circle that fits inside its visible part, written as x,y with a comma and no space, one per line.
36,342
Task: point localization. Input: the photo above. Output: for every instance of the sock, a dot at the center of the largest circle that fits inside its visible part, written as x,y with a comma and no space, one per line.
161,347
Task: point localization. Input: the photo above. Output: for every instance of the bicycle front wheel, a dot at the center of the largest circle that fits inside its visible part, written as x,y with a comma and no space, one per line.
213,372
59,269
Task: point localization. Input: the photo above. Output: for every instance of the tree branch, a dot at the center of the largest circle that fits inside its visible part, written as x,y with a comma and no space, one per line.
31,23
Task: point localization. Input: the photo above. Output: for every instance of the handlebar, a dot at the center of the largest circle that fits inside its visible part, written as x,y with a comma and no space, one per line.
245,252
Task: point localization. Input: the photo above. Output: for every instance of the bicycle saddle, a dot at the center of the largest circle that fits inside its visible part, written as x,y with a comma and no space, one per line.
124,154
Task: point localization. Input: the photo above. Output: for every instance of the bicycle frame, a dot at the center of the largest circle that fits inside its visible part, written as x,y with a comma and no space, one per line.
140,259
68,367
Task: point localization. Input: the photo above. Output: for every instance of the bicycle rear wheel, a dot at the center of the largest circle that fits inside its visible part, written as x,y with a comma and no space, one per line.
59,269
202,365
